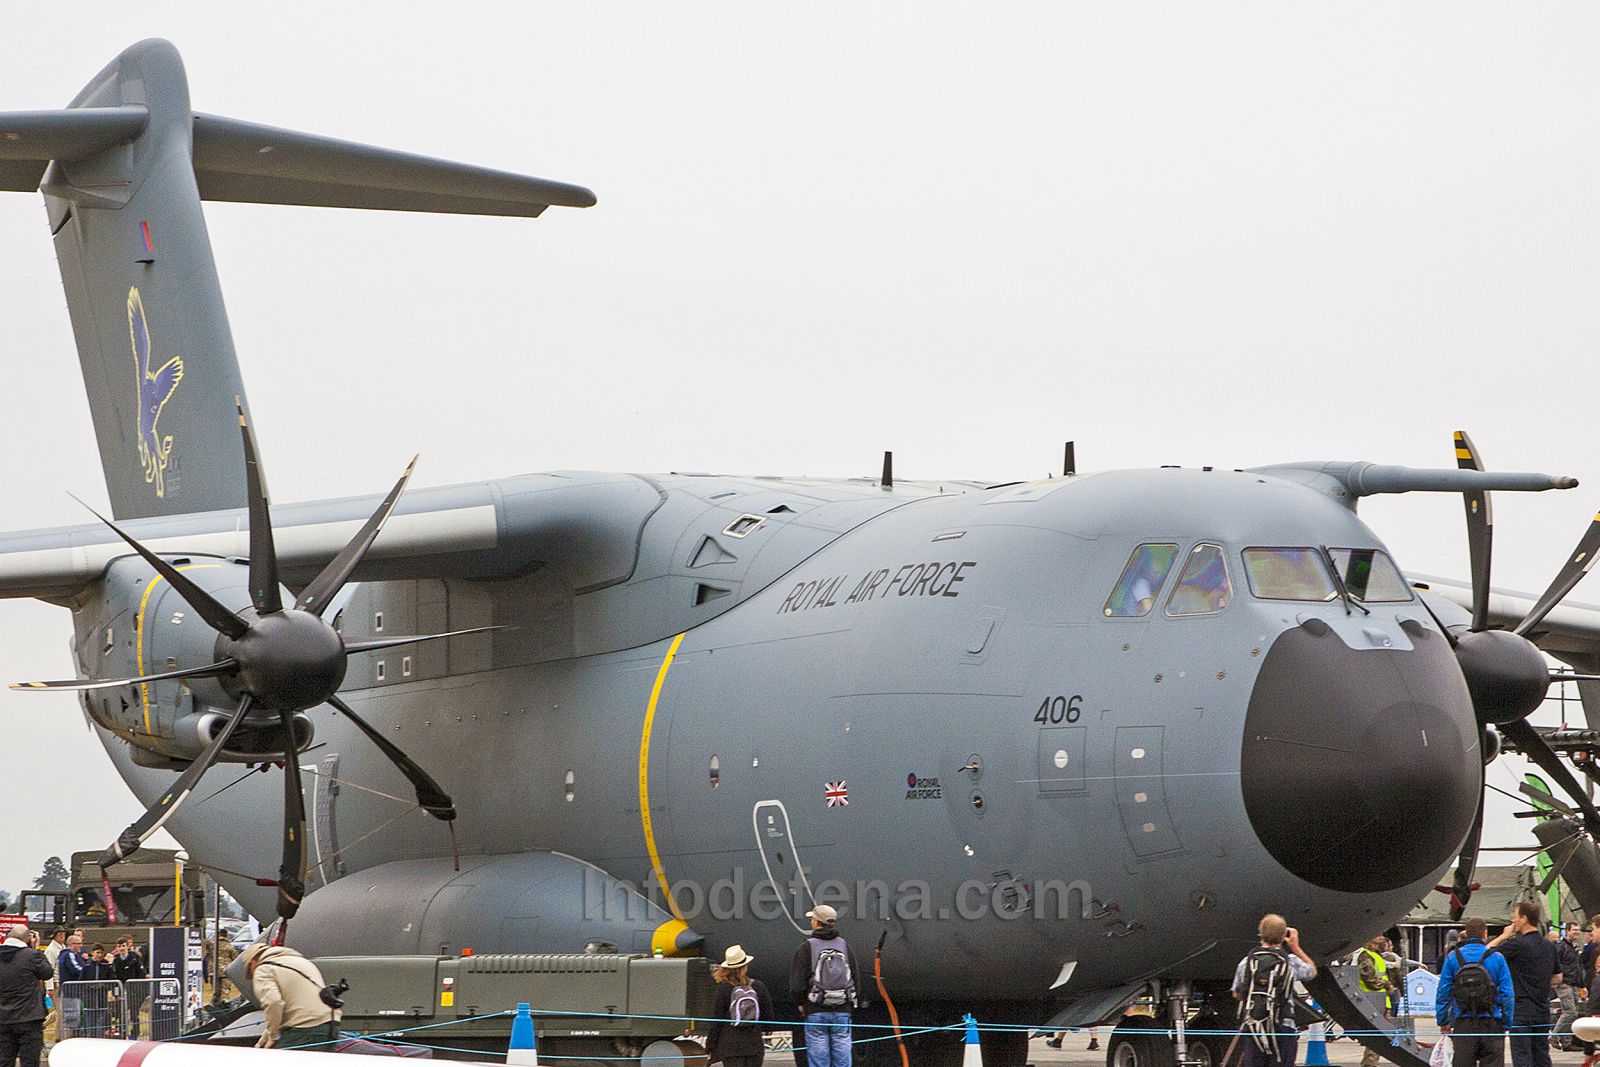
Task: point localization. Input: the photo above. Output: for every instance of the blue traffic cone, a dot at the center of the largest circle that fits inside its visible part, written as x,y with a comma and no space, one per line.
1317,1045
972,1055
524,1048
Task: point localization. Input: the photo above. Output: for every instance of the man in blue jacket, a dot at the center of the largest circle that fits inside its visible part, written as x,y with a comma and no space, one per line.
70,964
1476,1010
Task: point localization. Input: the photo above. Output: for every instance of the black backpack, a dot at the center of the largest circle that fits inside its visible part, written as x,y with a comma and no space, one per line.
1267,985
1474,989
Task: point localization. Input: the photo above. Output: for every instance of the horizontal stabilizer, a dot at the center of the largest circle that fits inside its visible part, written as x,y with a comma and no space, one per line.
29,140
246,162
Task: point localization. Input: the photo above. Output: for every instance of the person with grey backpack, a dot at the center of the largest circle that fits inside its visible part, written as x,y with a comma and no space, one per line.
824,980
739,1007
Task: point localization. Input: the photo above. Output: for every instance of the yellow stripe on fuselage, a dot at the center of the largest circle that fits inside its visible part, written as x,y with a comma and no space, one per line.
138,636
644,776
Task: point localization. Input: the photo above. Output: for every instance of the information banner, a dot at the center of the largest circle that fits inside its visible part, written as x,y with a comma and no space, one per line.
169,965
194,975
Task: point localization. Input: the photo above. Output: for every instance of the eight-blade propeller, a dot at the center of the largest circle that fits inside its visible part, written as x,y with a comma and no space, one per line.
278,660
1505,672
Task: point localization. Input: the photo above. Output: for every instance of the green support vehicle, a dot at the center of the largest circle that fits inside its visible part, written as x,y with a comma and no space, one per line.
144,893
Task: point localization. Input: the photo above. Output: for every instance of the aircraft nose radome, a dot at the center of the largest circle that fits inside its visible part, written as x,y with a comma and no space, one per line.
1360,768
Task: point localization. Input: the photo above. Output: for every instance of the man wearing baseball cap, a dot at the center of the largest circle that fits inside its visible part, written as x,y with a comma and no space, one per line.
823,980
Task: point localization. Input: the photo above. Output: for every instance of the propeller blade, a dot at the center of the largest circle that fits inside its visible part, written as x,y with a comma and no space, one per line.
325,586
1583,558
159,812
210,669
291,875
1544,799
1480,531
1466,865
1532,744
434,800
1580,868
209,608
263,554
1560,864
352,647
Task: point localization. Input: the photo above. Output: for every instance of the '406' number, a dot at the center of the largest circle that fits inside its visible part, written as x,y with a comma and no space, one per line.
1057,710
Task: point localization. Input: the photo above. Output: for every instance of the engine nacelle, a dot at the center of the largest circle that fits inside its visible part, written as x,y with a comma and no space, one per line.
135,623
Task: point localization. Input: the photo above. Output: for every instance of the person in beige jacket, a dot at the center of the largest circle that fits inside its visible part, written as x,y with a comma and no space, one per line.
289,988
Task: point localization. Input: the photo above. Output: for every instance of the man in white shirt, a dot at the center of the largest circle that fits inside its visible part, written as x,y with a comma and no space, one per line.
52,952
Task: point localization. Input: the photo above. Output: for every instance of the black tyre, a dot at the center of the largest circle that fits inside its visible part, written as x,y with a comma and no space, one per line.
1208,1043
1139,1042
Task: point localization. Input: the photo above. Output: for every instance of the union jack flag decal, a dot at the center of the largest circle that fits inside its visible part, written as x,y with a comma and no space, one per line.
837,794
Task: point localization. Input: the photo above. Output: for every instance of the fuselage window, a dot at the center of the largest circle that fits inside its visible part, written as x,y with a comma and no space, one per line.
1370,575
1203,587
1141,581
1288,574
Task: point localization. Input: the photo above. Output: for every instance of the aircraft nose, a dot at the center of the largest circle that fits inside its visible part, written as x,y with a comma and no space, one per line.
1360,769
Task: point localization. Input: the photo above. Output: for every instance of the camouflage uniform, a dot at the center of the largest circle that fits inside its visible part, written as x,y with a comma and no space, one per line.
1374,978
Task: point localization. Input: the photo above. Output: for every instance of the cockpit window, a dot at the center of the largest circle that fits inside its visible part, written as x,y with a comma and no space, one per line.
1203,587
1135,592
1288,574
1370,575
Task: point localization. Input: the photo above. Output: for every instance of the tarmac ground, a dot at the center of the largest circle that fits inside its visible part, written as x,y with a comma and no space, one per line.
1342,1053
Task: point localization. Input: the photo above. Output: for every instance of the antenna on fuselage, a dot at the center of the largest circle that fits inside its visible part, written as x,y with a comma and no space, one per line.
887,481
1069,460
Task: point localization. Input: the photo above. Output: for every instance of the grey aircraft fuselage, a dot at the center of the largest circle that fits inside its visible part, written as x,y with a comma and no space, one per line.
716,681
885,641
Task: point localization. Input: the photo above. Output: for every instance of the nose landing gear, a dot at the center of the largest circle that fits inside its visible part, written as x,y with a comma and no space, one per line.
1177,1041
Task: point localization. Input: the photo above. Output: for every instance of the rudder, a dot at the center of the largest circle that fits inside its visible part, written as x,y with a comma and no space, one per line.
145,302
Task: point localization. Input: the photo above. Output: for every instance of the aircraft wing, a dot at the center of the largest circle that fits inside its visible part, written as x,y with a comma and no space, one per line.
1571,630
587,524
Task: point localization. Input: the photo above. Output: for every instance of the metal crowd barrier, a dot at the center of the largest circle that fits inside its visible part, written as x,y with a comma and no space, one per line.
92,1009
156,1010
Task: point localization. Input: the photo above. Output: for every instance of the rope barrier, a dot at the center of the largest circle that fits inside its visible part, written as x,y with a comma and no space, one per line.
1189,1031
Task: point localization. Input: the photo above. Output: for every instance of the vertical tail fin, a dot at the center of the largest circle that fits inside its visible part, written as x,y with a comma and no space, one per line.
123,171
146,306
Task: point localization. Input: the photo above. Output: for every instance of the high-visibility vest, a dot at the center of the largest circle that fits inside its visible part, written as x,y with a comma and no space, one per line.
1382,967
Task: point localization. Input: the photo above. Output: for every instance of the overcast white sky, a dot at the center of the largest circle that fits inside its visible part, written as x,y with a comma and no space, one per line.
1222,234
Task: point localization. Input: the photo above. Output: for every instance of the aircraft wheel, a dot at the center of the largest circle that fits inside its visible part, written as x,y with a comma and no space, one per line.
1138,1042
1207,1048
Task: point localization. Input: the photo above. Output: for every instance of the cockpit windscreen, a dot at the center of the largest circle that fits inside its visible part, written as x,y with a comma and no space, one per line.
1135,592
1288,574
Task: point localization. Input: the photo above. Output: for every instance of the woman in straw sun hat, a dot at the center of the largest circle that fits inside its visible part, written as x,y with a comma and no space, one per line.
741,1008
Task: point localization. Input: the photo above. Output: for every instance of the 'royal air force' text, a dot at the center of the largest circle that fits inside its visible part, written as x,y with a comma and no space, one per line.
912,579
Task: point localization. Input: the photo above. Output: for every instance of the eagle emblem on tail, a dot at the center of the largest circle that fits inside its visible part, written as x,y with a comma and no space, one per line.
154,387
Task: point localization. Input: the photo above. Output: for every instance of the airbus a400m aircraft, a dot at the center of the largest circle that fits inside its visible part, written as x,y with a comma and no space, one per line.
1157,688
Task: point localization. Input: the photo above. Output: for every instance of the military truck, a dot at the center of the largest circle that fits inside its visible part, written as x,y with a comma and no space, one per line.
144,893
